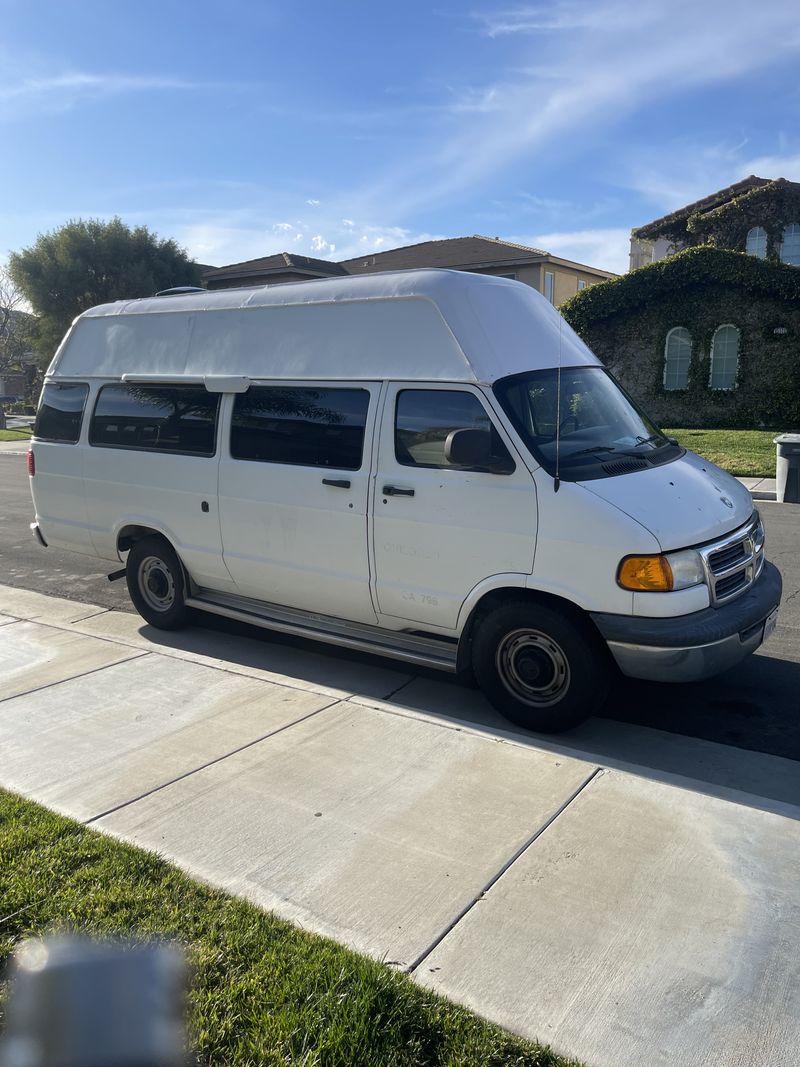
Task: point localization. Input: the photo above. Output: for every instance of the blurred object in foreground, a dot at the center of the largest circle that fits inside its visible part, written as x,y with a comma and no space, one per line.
79,1003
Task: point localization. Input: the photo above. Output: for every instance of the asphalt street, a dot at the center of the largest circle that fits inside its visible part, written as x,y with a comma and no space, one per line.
756,705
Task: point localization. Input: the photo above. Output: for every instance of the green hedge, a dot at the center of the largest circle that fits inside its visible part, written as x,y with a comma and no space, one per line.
687,270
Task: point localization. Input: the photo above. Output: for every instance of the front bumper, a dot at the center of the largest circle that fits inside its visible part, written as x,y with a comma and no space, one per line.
687,648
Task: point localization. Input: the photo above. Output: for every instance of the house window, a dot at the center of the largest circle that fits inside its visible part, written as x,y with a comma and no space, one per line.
677,356
581,284
757,242
790,245
724,357
548,285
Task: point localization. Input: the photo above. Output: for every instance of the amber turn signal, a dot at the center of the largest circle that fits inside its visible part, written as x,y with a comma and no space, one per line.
645,574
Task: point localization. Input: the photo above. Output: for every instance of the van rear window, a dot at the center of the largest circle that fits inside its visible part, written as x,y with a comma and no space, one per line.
60,412
156,418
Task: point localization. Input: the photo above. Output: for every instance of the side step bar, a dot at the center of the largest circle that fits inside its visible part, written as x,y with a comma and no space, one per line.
437,652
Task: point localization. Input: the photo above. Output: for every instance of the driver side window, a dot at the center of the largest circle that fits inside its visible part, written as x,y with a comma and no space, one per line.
424,418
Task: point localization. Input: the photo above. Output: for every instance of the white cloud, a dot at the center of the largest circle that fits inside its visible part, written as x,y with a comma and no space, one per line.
614,61
777,166
313,203
319,244
282,227
606,249
565,16
30,95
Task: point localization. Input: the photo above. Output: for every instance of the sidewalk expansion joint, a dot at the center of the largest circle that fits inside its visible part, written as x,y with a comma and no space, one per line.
496,877
74,677
210,763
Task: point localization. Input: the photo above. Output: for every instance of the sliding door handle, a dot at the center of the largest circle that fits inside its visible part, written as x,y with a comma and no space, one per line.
396,490
337,483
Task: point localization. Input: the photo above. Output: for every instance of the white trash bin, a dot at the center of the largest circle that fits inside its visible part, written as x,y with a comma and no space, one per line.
787,468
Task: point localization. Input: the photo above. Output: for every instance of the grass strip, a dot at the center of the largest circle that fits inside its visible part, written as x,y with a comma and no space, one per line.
745,453
263,991
17,434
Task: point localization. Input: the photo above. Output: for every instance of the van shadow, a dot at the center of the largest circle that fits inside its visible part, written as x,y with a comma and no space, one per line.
718,737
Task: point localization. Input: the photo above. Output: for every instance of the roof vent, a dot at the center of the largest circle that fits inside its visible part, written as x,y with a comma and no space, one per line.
181,290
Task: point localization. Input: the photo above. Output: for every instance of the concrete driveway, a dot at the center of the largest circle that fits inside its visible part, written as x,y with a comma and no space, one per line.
628,895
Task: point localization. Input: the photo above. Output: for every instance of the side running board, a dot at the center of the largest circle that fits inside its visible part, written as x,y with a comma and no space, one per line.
437,652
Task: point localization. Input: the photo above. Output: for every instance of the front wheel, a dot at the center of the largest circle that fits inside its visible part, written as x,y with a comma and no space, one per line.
542,668
156,583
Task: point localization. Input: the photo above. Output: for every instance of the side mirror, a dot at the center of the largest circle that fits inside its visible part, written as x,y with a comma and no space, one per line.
469,448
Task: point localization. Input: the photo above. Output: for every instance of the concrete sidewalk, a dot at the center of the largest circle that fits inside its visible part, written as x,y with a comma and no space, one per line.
629,896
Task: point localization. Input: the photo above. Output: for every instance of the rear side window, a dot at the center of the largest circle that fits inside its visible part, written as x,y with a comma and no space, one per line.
156,418
60,412
425,418
304,426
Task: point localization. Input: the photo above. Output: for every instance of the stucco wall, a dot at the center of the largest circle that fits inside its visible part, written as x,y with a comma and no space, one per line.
767,392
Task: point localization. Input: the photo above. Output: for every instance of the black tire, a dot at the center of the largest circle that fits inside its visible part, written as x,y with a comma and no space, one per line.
543,668
156,583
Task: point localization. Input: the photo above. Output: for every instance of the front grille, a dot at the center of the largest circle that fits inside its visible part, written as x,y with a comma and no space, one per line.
726,586
726,557
733,563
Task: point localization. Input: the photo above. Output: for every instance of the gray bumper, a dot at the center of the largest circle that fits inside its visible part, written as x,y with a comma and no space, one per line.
690,647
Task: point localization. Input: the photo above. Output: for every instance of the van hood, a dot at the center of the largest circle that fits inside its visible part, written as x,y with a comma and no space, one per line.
682,503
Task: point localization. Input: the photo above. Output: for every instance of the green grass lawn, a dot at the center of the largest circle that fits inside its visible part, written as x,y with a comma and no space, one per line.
746,453
263,991
17,434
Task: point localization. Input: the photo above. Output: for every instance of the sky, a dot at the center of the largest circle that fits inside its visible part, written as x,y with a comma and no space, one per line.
333,129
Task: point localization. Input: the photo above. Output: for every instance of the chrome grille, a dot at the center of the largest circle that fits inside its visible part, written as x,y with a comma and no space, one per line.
733,563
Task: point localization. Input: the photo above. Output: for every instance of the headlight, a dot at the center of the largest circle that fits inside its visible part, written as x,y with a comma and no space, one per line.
661,574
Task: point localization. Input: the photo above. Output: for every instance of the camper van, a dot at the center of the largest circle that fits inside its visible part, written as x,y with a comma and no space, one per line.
428,465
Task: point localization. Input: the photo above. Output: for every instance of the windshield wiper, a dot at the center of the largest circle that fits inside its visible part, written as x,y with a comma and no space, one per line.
647,440
594,448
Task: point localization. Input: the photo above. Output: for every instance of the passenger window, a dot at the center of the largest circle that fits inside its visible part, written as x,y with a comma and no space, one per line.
308,427
156,418
425,418
61,412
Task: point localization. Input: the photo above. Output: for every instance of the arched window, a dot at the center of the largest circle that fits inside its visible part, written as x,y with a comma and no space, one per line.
677,356
790,245
724,358
757,242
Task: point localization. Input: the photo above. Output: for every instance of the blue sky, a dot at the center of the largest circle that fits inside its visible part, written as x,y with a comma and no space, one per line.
336,128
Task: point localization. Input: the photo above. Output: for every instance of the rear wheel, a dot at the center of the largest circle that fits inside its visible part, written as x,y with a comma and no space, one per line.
542,668
156,583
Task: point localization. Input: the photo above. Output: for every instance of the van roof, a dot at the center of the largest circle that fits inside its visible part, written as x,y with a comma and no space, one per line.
403,325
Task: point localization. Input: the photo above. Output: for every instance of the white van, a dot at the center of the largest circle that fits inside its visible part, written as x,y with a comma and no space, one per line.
429,465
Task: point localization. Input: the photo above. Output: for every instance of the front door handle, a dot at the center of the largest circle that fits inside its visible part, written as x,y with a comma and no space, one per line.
396,490
337,483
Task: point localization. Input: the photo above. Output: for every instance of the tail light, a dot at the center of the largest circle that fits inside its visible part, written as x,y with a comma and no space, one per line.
31,463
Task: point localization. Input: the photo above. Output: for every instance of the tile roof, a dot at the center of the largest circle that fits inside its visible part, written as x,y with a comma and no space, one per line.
279,262
708,203
449,252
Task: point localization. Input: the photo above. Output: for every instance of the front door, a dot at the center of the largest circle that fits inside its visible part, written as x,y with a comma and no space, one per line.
439,529
293,488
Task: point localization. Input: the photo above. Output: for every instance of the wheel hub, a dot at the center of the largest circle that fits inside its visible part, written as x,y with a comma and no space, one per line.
156,583
533,667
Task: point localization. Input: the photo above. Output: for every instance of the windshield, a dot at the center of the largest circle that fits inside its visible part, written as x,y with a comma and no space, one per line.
602,432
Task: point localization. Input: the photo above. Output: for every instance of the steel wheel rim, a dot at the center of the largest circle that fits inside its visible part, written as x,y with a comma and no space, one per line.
533,667
156,584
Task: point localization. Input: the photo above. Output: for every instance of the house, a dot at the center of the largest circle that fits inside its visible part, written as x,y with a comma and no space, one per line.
750,215
281,267
710,334
554,277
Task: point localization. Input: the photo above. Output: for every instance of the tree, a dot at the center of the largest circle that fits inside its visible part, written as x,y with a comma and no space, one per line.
17,334
88,262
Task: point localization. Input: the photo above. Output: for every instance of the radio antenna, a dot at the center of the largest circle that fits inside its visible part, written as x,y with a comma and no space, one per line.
557,482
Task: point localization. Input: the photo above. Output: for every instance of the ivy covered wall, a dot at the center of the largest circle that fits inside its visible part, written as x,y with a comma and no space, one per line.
626,321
